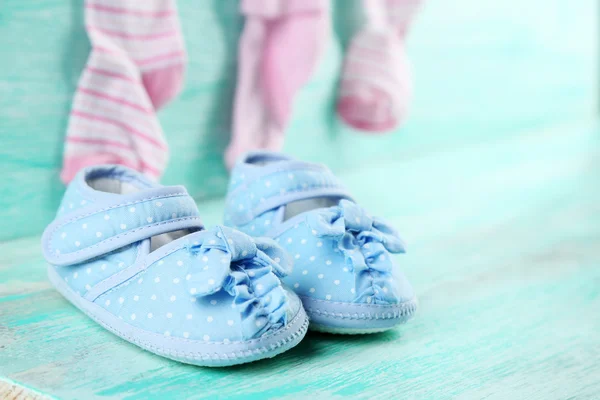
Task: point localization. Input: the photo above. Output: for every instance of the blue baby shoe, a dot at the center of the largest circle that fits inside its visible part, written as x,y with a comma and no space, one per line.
135,257
343,269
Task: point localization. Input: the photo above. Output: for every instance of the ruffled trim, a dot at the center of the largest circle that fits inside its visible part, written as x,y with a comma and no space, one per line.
246,268
366,243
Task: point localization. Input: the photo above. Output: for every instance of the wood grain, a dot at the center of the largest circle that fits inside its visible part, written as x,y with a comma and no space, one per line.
482,70
504,253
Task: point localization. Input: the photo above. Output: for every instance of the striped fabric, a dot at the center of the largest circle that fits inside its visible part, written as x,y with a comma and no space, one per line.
135,67
376,85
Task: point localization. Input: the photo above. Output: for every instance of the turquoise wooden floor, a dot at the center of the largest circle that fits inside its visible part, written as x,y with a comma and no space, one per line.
504,252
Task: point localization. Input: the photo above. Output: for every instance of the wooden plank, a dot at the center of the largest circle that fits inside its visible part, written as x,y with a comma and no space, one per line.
504,242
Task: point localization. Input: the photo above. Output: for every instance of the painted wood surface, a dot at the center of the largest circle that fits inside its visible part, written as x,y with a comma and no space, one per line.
482,70
504,253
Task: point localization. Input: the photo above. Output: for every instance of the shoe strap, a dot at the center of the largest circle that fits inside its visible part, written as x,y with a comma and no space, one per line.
279,184
117,221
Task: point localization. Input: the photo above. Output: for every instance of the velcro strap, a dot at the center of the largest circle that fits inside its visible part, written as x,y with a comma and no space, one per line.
282,183
123,219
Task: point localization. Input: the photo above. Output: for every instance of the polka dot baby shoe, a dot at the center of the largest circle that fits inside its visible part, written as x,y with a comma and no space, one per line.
343,270
135,257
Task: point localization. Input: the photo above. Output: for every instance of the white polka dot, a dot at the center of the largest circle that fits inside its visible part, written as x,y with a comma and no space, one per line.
103,267
369,299
289,240
259,323
132,317
107,303
140,280
305,272
213,302
291,176
123,226
297,256
176,280
83,202
328,297
158,204
211,281
385,290
244,253
98,234
136,297
312,258
240,207
157,279
206,337
320,276
226,341
319,244
88,271
70,205
150,315
345,269
314,232
328,262
336,282
169,315
75,275
268,222
87,287
252,227
357,219
268,183
188,277
131,209
382,257
303,241
352,290
205,259
251,274
167,333
121,300
149,219
296,285
83,226
277,260
189,316
173,298
174,215
209,319
230,322
153,297
259,287
63,235
224,260
205,268
186,335
161,262
367,245
106,217
77,243
121,264
193,291
312,290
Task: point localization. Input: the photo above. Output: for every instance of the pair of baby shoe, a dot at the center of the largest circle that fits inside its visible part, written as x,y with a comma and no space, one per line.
135,257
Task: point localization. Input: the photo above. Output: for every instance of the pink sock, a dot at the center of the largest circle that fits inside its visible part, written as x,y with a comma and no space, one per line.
135,67
279,49
376,85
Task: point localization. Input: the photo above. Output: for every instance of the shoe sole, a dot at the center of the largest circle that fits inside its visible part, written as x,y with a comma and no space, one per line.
196,352
356,318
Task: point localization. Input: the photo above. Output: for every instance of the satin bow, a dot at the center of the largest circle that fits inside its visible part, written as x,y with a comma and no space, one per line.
248,269
365,242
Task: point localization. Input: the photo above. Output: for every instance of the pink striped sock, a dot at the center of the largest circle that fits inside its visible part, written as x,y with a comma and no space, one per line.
135,67
376,85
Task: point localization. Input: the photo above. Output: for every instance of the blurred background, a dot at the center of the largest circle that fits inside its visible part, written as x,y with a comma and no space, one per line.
482,71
